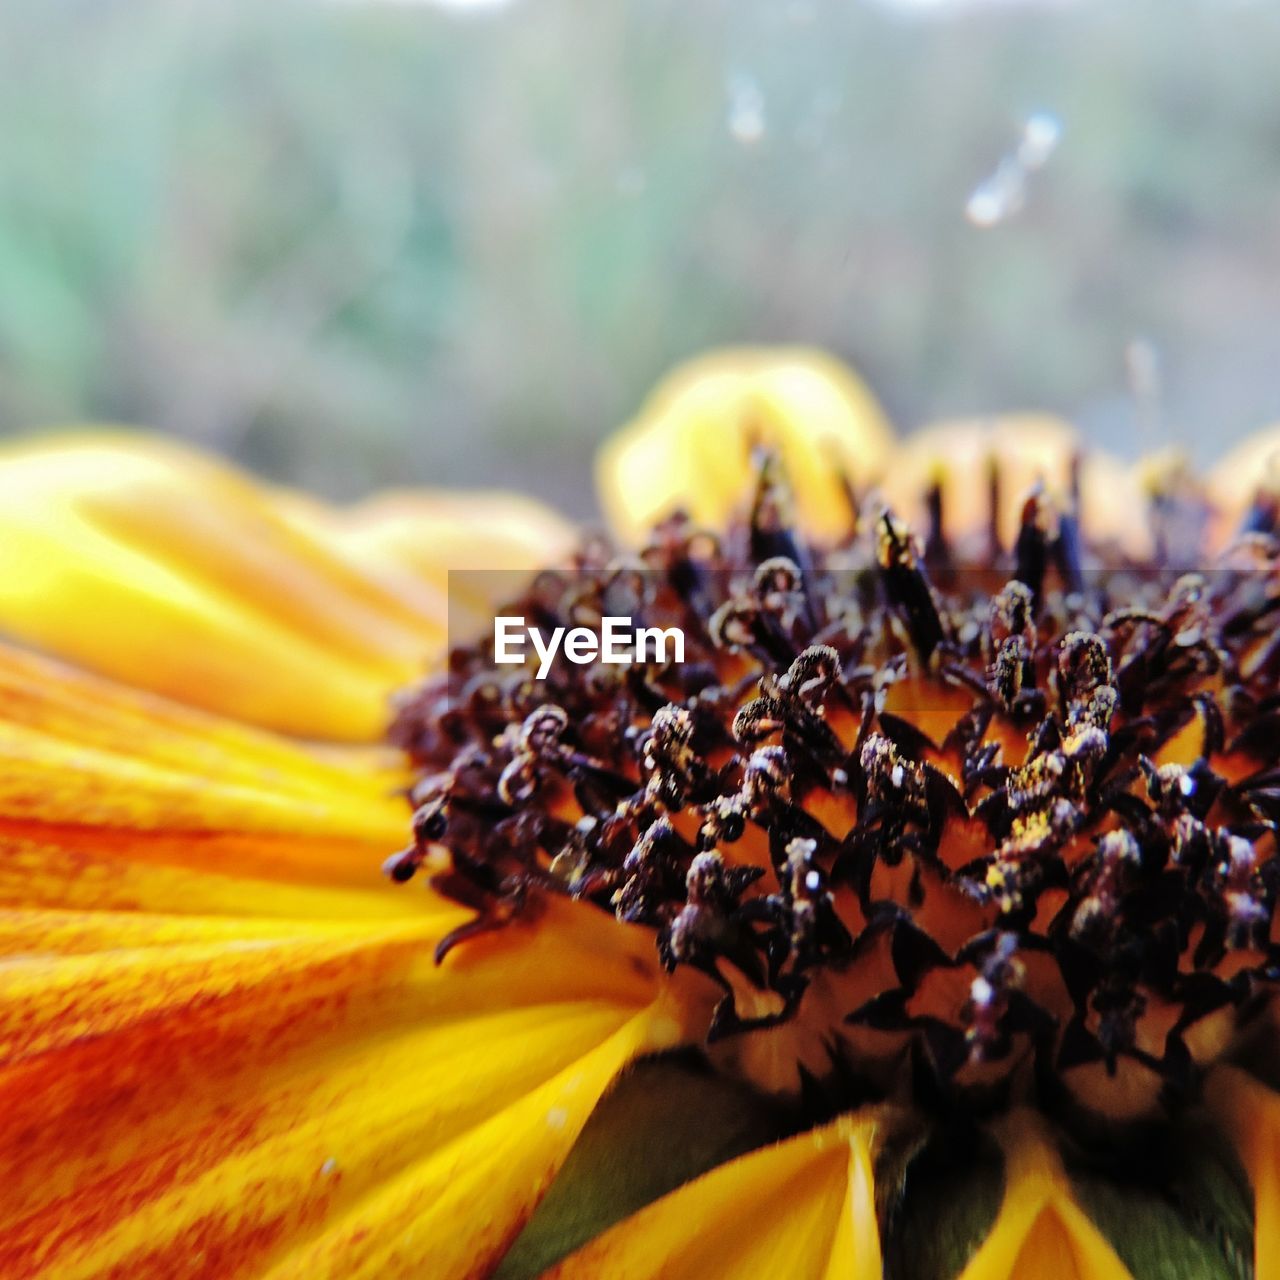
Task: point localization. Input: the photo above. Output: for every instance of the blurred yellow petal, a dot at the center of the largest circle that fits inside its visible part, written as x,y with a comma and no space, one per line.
150,563
118,800
690,446
467,552
1249,469
1040,1233
805,1207
1024,450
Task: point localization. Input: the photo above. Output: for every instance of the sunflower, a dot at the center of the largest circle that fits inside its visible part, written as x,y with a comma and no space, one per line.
919,923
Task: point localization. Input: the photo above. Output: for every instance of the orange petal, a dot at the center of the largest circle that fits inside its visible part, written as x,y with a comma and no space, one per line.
1040,1233
264,1062
805,1207
690,447
115,801
314,1099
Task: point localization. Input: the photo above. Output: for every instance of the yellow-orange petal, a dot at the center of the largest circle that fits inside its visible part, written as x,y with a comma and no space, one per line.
150,563
1025,450
690,446
454,1212
324,1102
225,1043
1249,1112
805,1207
146,561
464,552
113,800
1040,1233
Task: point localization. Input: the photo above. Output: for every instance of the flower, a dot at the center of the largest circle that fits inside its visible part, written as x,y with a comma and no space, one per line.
971,831
920,924
691,445
226,1046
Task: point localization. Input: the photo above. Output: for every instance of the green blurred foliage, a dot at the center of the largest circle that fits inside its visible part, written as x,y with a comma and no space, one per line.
359,244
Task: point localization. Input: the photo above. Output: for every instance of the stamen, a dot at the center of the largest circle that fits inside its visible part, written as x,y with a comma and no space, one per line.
906,586
998,825
1031,553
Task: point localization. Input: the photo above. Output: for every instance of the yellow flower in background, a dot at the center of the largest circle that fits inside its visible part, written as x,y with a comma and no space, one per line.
920,925
693,444
965,460
1246,479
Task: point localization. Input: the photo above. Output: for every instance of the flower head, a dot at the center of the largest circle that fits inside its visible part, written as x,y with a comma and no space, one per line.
967,826
920,922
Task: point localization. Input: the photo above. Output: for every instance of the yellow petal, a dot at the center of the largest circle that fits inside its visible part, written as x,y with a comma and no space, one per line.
317,1101
119,801
1249,1112
805,1207
467,552
690,446
454,1212
145,561
1040,1233
1236,480
225,1043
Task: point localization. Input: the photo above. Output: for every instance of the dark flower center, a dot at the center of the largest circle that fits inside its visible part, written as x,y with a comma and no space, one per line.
943,821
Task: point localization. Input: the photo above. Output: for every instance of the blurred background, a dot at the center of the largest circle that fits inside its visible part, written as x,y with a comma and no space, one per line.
354,244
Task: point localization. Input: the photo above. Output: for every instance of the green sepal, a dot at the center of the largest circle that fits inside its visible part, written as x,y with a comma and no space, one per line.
666,1121
1182,1211
940,1201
